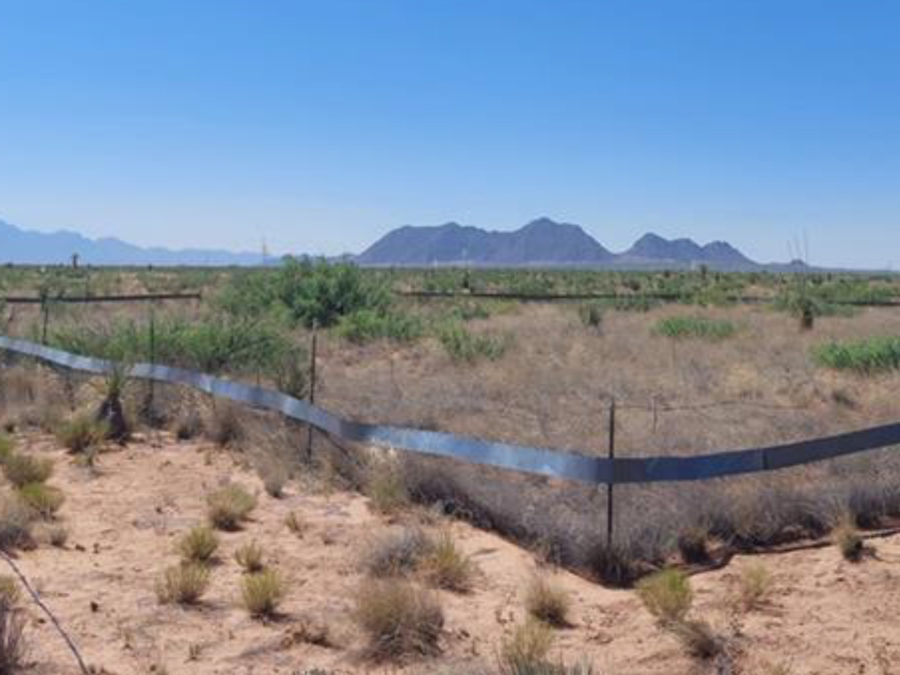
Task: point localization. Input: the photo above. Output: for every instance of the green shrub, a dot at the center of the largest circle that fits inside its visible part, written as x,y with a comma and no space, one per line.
262,592
199,545
681,327
366,325
666,594
230,506
44,499
591,314
24,469
462,345
867,357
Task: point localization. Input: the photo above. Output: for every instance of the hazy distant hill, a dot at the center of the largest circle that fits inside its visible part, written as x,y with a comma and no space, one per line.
39,248
541,242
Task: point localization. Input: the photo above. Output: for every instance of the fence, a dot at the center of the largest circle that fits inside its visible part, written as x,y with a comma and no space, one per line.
541,461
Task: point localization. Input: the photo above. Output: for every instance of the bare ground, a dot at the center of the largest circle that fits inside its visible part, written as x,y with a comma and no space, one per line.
825,615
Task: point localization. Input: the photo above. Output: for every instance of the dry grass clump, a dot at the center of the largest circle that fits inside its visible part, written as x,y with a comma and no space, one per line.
547,602
9,591
15,524
250,557
22,469
45,500
199,545
229,507
184,584
397,552
526,650
848,539
398,619
698,638
81,433
692,544
755,584
57,536
188,425
262,592
274,476
224,424
667,595
446,566
295,523
13,647
386,487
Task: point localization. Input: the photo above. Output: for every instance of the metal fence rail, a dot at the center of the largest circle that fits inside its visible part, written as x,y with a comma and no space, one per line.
542,461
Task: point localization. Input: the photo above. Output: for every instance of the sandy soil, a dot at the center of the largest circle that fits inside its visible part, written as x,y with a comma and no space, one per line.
824,615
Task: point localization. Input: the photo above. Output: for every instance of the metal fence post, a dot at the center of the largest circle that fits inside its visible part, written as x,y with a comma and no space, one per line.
609,486
312,389
151,392
45,312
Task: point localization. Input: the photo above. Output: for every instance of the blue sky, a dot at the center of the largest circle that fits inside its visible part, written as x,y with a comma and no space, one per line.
321,125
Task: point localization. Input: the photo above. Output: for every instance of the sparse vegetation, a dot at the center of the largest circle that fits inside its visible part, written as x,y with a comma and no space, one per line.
13,646
386,486
526,651
262,592
199,545
183,584
463,345
848,540
867,357
396,552
15,524
667,595
81,433
695,327
21,469
698,638
295,524
44,499
398,619
250,557
755,584
229,507
547,602
445,566
9,591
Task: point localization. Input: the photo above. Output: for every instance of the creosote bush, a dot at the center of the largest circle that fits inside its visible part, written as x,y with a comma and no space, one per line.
262,592
183,584
22,469
199,545
45,500
547,602
695,327
229,507
81,432
398,619
250,557
666,594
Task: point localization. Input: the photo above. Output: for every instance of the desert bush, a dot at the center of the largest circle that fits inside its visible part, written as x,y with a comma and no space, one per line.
692,544
396,552
81,433
183,584
224,425
446,566
867,357
681,327
262,592
15,524
547,602
386,486
199,545
398,619
45,500
591,314
463,345
274,476
188,425
57,535
229,507
24,469
755,584
12,640
666,594
9,591
366,325
848,539
527,649
250,557
698,637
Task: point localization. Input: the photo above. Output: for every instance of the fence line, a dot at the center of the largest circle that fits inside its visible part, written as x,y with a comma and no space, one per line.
143,297
542,461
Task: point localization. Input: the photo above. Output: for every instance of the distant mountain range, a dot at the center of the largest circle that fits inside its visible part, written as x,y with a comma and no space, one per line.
38,248
542,242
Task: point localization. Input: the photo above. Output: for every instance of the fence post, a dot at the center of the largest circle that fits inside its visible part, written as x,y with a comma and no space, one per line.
151,392
45,316
609,486
312,389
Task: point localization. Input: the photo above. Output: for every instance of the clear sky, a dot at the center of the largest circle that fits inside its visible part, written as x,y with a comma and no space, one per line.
321,125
